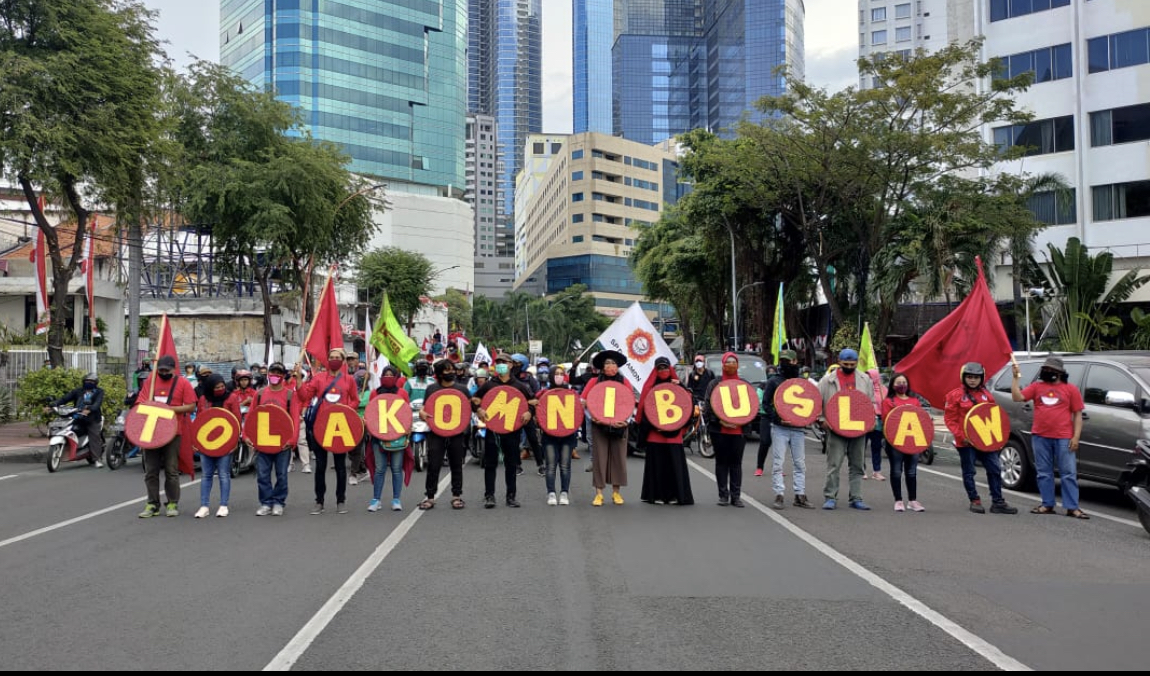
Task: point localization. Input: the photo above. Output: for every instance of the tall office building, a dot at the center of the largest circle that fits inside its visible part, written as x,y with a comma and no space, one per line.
539,152
505,82
903,26
592,27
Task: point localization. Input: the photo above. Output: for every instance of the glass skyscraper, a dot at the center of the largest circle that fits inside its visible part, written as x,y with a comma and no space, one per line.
384,79
593,28
504,69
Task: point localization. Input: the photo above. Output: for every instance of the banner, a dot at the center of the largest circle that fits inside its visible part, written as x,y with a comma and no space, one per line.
39,259
633,334
779,332
481,356
389,338
88,266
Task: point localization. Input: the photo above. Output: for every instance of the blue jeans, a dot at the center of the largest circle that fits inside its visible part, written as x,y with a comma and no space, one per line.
898,463
783,438
384,461
557,451
990,462
269,496
1047,452
210,467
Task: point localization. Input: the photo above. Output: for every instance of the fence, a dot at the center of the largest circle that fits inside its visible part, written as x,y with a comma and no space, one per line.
16,363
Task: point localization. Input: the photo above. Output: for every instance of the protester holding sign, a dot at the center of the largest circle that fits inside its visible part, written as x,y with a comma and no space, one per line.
787,433
1056,429
959,402
439,442
512,413
665,408
898,395
216,395
560,405
273,499
843,420
609,436
332,386
390,455
166,387
726,431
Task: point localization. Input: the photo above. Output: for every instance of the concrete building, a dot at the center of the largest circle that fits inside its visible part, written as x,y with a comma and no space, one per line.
581,222
493,276
904,26
439,228
538,153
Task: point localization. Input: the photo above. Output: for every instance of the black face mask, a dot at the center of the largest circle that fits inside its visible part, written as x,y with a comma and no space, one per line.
789,371
847,370
447,378
166,376
1048,376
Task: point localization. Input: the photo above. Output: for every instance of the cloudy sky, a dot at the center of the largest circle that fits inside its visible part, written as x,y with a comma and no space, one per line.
192,29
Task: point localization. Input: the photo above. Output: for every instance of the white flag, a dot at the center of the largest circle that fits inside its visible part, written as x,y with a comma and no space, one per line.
376,370
634,335
481,355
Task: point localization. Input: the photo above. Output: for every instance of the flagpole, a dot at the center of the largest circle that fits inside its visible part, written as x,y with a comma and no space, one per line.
156,360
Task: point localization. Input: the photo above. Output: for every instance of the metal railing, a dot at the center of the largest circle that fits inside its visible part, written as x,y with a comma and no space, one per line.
18,362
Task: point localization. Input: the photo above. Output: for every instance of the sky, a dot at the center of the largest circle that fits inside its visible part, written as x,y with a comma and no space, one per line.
191,29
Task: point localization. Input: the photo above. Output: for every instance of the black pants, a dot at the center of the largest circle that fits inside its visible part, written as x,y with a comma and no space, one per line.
321,470
729,463
531,430
356,459
493,444
164,459
437,447
764,440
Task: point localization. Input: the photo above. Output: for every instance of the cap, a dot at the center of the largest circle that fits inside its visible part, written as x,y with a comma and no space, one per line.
662,361
789,355
503,357
167,361
848,355
1054,363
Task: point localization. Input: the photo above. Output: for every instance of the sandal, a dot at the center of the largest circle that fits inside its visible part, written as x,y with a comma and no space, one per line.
457,503
427,503
1077,514
1042,509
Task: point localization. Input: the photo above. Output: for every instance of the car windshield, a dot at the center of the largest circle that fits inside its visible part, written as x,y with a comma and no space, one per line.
1142,372
752,368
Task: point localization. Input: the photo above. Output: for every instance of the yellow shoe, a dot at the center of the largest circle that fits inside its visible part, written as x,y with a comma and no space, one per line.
598,501
617,498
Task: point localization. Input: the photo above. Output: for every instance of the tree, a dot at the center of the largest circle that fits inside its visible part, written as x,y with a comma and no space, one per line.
77,114
458,310
404,275
273,200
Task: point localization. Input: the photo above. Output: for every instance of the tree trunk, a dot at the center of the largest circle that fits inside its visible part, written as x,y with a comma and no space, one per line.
266,294
135,272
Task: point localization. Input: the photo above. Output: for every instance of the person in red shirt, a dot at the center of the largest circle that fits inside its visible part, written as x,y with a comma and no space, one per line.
666,477
1056,430
728,439
166,388
244,389
332,386
272,500
900,394
959,401
216,395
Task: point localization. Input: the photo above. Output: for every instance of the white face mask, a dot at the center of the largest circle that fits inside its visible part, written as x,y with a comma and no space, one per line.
558,380
698,364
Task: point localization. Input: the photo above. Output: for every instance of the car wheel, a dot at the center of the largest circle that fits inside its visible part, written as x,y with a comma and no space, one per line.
1016,473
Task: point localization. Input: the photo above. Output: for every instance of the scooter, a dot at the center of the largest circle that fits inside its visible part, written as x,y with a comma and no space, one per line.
121,450
245,457
64,444
478,435
419,430
1136,480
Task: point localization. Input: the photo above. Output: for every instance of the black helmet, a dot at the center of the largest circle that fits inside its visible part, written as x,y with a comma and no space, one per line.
973,368
93,376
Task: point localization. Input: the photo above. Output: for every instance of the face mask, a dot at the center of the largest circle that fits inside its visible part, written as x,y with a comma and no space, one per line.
89,386
558,380
901,388
502,369
388,381
847,370
698,364
218,393
789,371
663,374
275,380
447,377
610,370
166,376
730,369
1048,376
334,364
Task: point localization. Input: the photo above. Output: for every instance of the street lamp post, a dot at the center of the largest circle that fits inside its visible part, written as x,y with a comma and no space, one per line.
737,294
734,294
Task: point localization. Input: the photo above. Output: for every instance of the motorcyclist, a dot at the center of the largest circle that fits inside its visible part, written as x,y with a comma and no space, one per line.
417,387
699,379
89,400
244,390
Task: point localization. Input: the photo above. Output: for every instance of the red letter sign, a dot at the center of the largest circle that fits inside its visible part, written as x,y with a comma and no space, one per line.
611,402
338,428
850,414
505,406
909,429
151,425
559,412
735,401
987,427
215,432
798,402
448,412
388,417
269,429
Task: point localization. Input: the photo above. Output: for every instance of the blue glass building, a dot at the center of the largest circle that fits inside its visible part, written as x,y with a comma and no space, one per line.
593,28
384,79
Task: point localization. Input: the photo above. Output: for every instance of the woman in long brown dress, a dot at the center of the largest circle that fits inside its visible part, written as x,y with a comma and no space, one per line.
609,462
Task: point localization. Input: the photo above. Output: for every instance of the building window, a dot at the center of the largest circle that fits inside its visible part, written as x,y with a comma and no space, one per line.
902,11
577,197
576,239
1121,200
902,34
556,148
1045,65
576,154
577,176
1120,50
1008,9
537,148
1040,137
878,38
878,14
1054,207
1120,125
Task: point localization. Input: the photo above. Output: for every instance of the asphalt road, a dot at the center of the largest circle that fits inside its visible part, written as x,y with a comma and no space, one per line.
87,585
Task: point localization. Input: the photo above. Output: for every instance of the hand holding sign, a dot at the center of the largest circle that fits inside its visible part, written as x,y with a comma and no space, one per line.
668,407
151,425
269,429
388,417
338,428
987,427
735,402
909,429
504,407
559,412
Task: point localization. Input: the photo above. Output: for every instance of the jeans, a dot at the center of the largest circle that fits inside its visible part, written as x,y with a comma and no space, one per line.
766,440
493,444
899,461
783,438
876,439
385,461
321,471
437,446
1047,452
729,464
265,462
557,450
991,462
164,459
211,466
587,435
851,450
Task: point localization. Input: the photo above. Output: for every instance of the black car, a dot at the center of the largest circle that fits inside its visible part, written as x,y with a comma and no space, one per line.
752,368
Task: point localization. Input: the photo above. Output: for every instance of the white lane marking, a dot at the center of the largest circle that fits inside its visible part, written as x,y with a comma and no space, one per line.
977,644
1031,497
8,476
84,517
303,639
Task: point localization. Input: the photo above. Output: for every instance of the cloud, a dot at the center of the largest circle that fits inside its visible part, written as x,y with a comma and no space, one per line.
557,67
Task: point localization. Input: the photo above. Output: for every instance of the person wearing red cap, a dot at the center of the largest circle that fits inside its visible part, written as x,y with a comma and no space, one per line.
728,439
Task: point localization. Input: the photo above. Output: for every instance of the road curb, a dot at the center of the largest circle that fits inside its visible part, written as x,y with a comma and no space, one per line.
25,455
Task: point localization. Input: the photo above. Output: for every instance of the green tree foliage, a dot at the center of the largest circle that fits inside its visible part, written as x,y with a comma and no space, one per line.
77,115
42,385
404,275
559,321
458,310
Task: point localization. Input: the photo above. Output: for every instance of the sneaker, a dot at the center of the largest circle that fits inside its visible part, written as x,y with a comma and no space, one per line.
916,506
976,506
511,501
306,469
552,500
317,509
396,505
341,508
1002,508
172,510
519,471
598,500
759,471
724,501
149,511
831,503
222,511
278,510
877,476
780,502
373,506
542,470
352,480
737,502
291,466
489,502
860,505
617,497
99,464
898,506
362,477
264,510
802,501
563,499
202,512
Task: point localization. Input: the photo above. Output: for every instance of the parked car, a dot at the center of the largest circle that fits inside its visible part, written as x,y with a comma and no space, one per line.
752,368
1115,389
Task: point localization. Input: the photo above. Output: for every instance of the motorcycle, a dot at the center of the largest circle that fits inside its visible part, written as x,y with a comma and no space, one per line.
245,458
64,444
478,435
121,450
1136,482
419,430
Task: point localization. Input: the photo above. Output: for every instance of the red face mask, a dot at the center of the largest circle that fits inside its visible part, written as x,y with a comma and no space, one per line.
388,381
334,364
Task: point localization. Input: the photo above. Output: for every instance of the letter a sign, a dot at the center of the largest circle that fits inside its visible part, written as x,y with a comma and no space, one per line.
987,427
908,429
559,412
338,428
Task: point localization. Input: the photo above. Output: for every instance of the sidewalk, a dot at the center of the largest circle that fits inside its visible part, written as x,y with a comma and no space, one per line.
20,442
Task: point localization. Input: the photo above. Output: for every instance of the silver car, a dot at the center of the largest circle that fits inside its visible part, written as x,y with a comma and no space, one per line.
1115,389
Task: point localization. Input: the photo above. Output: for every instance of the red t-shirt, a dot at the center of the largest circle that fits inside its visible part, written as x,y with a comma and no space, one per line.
846,382
891,403
1054,406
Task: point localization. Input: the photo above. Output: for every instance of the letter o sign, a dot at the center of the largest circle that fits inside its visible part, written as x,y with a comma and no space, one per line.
448,412
215,432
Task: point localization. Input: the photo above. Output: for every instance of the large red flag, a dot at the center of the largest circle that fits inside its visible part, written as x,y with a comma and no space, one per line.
326,332
973,332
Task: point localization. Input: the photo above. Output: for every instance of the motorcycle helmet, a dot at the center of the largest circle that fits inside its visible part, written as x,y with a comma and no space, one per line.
92,377
243,373
973,368
521,360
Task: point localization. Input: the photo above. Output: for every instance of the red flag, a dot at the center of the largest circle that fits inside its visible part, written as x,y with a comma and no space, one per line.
326,332
972,333
167,345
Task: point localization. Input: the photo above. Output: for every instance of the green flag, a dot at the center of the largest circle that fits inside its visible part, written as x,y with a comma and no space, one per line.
388,337
867,359
779,330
